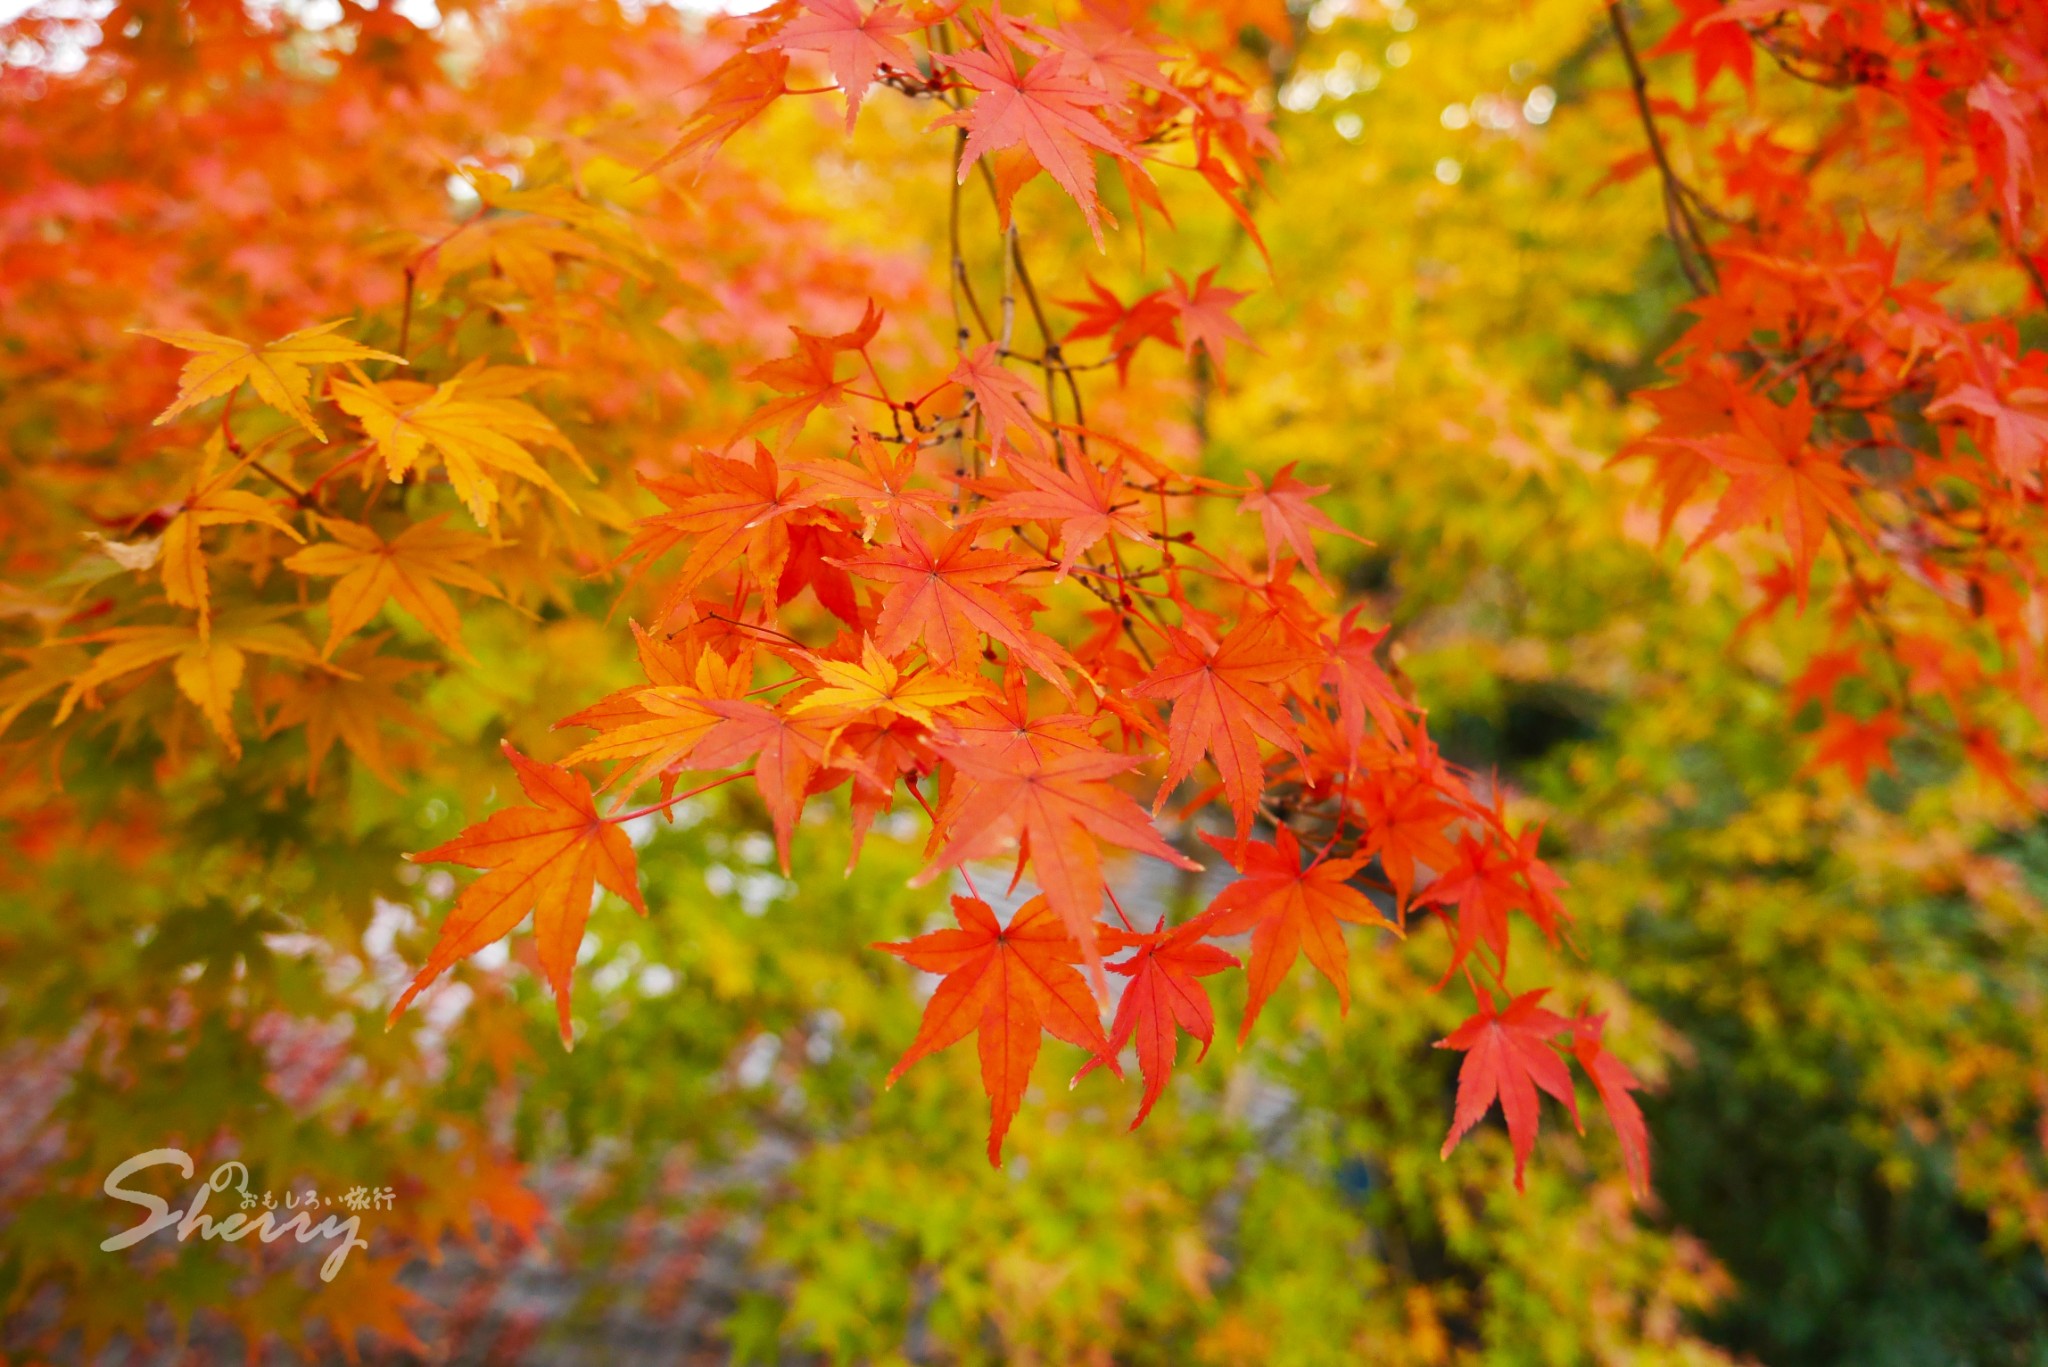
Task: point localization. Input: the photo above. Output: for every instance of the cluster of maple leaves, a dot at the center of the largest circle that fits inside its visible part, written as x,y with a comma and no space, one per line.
973,508
987,606
1877,422
962,521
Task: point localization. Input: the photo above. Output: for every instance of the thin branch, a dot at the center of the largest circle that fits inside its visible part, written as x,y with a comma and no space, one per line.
1687,239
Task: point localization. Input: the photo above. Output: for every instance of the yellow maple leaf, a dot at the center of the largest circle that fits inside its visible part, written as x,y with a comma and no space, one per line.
209,501
875,684
208,668
472,422
353,707
410,567
278,370
656,728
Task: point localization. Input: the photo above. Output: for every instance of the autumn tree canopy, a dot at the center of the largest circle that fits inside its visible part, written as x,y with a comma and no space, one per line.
801,538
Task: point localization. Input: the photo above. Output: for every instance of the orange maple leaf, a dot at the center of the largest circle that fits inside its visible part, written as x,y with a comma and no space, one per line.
1289,909
1083,499
547,859
1223,703
1289,519
947,597
1060,808
1003,397
725,511
1010,983
1777,474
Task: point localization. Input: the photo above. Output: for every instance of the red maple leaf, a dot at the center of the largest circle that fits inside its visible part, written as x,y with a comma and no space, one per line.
1406,816
1776,473
1613,1080
1363,688
1003,397
947,597
1205,312
1507,1057
1044,108
1082,498
1289,909
1163,994
1288,518
854,44
1148,316
1009,983
1715,45
1223,704
547,859
1856,745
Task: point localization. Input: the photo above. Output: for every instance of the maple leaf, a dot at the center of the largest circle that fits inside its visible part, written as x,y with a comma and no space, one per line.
353,707
1083,498
1289,909
1481,885
2004,110
735,94
548,859
1204,312
278,370
1363,688
1150,316
1108,53
1288,519
208,501
854,44
1507,1057
1775,472
808,376
1407,810
1223,704
1045,109
786,755
1613,1080
1855,744
2017,423
1010,984
1002,395
946,597
726,510
1060,807
1715,46
875,684
411,567
880,485
207,666
473,422
1822,673
1163,993
657,729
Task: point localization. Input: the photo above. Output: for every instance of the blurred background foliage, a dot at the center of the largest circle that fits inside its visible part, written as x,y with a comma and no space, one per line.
1837,997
